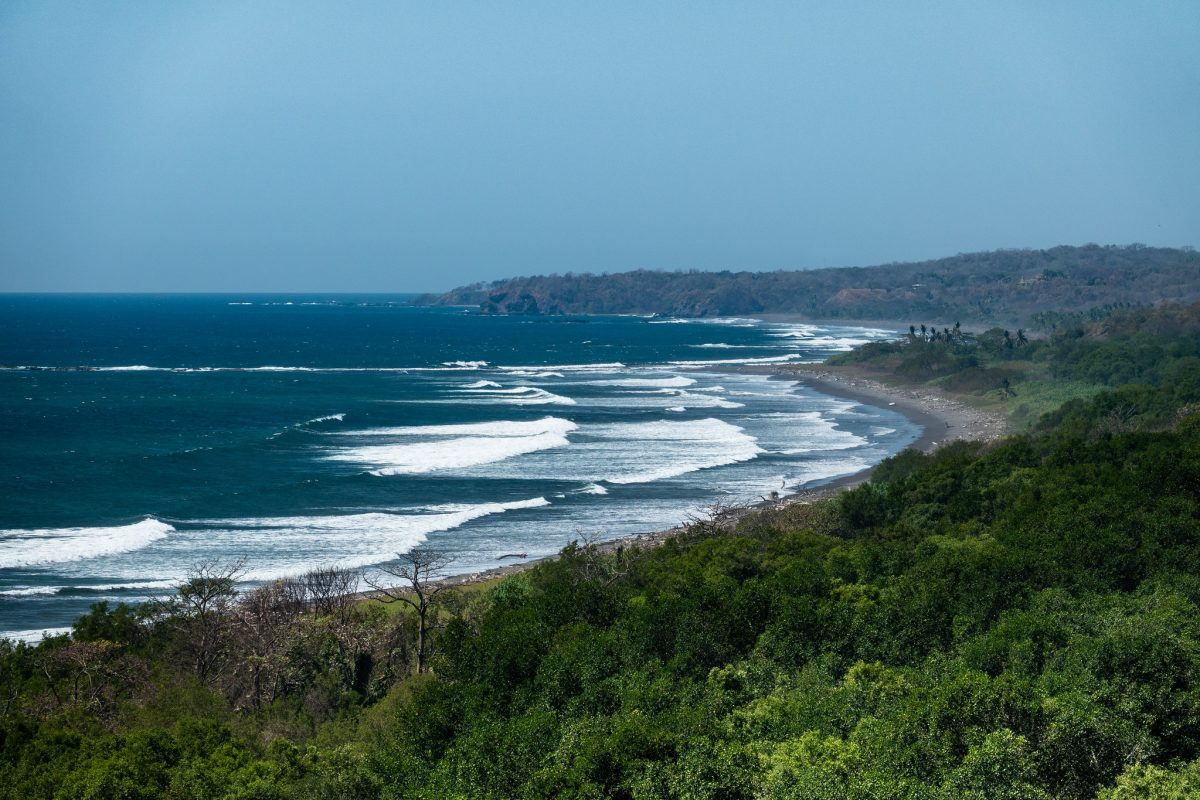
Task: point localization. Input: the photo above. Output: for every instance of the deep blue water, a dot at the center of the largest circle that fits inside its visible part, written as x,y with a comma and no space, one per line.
142,434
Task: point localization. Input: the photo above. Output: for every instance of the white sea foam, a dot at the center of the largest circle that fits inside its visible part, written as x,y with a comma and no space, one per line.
132,586
676,409
290,545
609,367
841,344
327,418
456,447
706,401
879,430
662,398
27,548
677,448
518,395
675,381
512,390
414,459
593,488
125,586
740,322
793,331
482,385
268,368
448,366
29,591
33,636
503,427
814,337
827,469
717,363
818,434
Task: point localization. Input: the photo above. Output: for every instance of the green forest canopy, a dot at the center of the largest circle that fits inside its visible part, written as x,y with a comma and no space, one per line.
1015,621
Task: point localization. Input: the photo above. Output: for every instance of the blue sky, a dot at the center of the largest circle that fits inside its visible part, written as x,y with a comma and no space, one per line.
399,146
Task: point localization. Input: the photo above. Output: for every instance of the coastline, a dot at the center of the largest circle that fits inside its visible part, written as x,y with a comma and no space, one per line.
942,420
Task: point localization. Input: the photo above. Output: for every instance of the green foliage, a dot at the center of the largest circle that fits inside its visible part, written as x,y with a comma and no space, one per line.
1017,621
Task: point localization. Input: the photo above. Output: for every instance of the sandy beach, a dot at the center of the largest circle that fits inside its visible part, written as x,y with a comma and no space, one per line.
942,419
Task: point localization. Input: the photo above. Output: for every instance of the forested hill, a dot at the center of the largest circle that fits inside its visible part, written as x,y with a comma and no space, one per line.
1004,286
1014,621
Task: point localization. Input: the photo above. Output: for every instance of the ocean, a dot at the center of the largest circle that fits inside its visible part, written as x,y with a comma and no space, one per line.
140,435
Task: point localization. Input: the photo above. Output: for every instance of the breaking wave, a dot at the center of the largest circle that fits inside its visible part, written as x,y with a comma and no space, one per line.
28,548
519,396
288,545
454,446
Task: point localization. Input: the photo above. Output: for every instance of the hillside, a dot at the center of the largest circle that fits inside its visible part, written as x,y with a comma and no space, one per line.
1016,620
1002,287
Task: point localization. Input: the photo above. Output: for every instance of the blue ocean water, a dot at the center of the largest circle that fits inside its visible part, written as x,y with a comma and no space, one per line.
142,434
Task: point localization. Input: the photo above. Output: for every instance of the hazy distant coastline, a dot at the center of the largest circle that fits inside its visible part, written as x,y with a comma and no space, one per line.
1006,287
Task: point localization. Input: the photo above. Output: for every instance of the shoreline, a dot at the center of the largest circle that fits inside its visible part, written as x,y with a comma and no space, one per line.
942,420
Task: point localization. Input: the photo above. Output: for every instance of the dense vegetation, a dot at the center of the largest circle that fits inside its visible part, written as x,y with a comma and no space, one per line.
1018,621
1083,354
1005,287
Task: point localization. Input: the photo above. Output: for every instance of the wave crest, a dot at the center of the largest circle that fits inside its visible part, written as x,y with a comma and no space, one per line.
29,548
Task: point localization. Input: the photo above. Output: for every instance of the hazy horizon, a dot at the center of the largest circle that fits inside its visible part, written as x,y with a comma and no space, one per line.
404,149
499,279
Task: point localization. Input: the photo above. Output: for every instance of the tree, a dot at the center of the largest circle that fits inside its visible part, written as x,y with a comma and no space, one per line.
329,590
266,623
201,611
418,569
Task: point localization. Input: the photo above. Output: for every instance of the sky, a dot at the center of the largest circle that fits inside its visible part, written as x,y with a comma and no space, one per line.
391,147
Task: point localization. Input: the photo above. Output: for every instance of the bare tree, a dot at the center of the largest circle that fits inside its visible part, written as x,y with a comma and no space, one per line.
203,607
418,571
330,590
266,620
714,520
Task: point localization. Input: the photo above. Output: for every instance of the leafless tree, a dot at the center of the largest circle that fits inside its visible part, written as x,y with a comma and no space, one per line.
418,571
266,620
202,608
714,520
330,590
